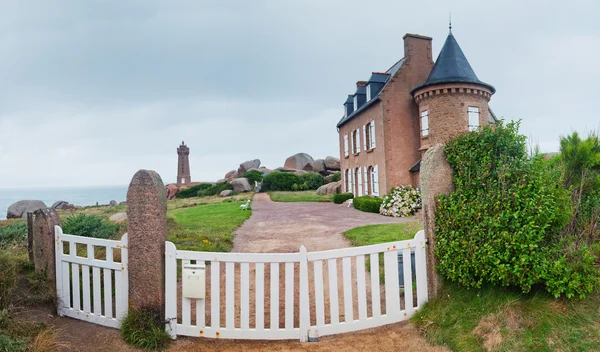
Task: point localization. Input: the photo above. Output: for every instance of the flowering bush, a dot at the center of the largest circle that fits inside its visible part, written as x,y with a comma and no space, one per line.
401,201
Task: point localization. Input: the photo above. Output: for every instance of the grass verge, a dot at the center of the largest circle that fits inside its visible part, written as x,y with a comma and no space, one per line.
503,319
207,227
374,234
300,196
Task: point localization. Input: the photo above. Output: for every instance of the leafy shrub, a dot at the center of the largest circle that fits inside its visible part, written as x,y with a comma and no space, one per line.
342,197
367,204
11,344
503,223
213,190
13,233
312,180
253,176
401,201
192,191
8,279
280,181
300,187
89,226
336,177
144,329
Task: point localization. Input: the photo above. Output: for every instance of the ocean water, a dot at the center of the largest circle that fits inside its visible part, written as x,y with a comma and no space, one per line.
76,195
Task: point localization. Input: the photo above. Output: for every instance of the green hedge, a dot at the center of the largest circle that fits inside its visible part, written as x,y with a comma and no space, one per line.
342,197
312,180
504,224
280,181
367,204
213,190
192,191
253,176
336,177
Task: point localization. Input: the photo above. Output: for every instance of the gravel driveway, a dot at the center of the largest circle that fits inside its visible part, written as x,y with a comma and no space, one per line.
278,227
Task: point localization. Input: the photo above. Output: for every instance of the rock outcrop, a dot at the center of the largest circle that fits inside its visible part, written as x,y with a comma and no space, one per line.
113,203
226,193
330,188
247,165
62,205
332,163
298,161
118,218
231,175
316,166
21,208
241,185
171,190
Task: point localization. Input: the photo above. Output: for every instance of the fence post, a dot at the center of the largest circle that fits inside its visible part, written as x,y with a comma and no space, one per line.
304,298
123,305
171,289
30,236
44,257
147,233
421,269
57,252
435,179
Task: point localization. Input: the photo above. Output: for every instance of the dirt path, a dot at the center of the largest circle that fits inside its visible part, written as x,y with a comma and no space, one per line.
277,227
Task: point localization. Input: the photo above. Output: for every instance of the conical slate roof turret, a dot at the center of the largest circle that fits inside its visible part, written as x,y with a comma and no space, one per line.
452,66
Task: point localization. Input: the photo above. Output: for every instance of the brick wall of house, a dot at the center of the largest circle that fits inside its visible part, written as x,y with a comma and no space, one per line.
401,121
447,109
375,156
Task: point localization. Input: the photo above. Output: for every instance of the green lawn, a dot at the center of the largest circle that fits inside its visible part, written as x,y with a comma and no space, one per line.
300,196
374,234
206,227
502,319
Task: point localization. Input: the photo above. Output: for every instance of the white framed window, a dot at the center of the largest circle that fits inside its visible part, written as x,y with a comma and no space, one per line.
346,145
345,111
355,103
473,113
368,92
375,180
359,181
371,133
368,171
357,140
425,123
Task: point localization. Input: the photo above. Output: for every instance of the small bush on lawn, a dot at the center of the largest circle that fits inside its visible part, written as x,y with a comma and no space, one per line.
213,190
280,181
192,191
144,329
342,197
13,233
367,204
401,201
253,176
336,177
504,223
89,226
312,180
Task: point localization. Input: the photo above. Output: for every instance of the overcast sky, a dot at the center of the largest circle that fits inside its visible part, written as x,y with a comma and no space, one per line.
92,91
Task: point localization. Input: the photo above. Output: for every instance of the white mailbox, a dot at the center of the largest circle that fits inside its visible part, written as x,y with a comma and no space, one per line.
194,280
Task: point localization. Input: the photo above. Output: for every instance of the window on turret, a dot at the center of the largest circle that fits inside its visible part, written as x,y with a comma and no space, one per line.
473,118
425,123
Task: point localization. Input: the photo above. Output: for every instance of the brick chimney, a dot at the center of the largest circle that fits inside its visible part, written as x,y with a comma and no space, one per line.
417,47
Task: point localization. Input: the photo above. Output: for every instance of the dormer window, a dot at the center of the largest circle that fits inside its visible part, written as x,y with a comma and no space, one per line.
368,92
355,103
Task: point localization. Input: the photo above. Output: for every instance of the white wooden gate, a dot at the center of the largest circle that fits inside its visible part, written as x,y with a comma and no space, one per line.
300,300
93,287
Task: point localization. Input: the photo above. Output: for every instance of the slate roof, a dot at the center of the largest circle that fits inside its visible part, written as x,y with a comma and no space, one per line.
376,77
452,66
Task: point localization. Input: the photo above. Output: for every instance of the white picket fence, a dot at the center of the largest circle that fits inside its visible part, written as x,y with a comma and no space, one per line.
85,285
367,302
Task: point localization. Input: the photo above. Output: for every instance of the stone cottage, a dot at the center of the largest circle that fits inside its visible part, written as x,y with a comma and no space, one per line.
394,117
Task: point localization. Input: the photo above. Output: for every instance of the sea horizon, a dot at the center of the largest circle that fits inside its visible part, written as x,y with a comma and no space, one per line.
76,195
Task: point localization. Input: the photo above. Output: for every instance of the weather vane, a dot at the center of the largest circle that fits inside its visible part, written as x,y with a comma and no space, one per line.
450,21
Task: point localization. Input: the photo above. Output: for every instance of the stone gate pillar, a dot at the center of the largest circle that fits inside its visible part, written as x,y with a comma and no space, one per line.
44,259
436,179
147,229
